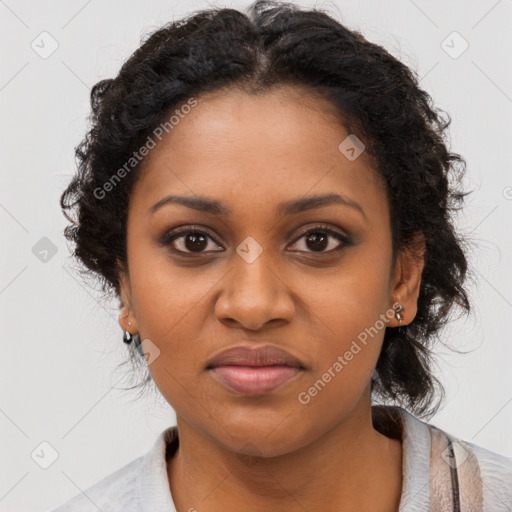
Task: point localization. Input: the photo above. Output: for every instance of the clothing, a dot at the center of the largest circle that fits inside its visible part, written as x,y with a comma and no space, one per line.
483,478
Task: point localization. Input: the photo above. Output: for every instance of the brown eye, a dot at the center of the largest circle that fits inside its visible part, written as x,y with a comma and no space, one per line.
195,242
322,240
190,241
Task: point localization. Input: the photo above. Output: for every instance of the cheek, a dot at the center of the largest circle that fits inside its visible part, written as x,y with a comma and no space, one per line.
348,319
170,304
165,296
352,297
171,312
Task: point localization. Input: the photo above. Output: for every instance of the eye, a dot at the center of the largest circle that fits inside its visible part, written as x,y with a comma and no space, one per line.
189,241
317,239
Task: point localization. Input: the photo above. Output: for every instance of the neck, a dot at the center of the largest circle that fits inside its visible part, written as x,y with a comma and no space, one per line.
352,466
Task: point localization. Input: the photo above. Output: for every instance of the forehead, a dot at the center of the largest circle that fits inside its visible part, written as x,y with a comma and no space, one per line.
256,149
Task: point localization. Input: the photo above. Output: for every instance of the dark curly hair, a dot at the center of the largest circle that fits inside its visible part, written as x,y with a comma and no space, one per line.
376,97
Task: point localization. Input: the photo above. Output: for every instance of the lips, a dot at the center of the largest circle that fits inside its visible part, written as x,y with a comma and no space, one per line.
255,371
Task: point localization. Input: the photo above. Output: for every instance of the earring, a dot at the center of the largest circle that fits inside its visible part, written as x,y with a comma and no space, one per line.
398,313
128,338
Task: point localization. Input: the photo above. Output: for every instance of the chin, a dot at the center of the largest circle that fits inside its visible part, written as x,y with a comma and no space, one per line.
253,438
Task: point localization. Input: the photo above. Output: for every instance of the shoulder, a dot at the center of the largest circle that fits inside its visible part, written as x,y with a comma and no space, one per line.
117,491
496,475
477,467
495,470
142,484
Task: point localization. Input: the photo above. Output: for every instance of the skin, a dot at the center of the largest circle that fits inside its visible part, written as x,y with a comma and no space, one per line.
269,452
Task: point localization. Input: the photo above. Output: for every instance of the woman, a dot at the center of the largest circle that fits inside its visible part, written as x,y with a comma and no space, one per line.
269,197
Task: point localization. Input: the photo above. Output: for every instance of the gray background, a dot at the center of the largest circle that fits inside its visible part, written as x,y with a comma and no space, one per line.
60,345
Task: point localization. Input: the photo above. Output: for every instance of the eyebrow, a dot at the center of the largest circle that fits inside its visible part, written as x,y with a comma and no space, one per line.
290,207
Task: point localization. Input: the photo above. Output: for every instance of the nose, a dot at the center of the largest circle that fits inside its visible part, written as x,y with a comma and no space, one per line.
254,294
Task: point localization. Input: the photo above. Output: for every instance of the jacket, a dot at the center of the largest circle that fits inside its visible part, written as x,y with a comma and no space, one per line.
440,474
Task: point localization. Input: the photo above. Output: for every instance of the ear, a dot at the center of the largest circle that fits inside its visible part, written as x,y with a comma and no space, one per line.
127,319
406,283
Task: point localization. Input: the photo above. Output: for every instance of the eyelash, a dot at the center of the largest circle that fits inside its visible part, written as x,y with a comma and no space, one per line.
171,236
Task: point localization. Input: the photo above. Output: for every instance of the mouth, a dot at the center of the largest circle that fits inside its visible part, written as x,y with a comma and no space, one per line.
255,371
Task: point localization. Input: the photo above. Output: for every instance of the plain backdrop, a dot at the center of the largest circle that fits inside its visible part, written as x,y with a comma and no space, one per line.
61,345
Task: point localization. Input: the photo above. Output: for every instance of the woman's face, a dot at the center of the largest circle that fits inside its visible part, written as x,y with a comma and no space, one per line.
252,277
